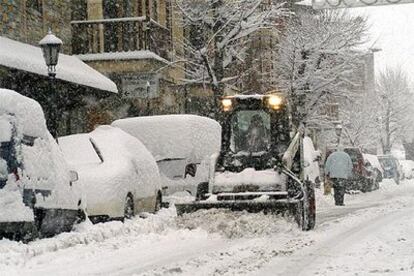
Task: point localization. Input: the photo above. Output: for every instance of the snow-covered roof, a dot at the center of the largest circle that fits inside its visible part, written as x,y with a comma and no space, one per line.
175,136
130,55
25,57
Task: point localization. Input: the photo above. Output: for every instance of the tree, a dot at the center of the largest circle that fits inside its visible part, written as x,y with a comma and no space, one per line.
316,61
394,107
217,35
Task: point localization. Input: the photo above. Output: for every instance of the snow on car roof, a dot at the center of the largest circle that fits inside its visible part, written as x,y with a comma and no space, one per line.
28,112
14,54
175,136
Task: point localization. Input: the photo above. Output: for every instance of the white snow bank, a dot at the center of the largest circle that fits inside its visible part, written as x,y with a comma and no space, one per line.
21,56
28,112
144,54
12,207
175,136
236,225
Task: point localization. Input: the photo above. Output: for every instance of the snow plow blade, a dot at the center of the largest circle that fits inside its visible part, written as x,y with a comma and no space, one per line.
270,206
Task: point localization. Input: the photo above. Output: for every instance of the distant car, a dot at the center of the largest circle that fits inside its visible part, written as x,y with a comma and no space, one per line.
391,167
120,177
407,167
312,159
363,175
38,192
182,146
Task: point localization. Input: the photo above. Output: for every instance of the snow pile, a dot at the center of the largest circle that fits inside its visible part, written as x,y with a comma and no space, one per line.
14,54
235,225
12,207
5,130
249,176
311,171
179,197
175,136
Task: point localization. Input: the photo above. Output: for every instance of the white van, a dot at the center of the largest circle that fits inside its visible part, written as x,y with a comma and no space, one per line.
37,190
181,144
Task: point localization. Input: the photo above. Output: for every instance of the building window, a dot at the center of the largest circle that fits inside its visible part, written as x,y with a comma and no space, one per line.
34,5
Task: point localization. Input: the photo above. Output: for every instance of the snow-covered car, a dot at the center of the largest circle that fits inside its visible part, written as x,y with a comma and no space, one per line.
391,167
372,160
312,158
407,167
38,192
120,178
181,144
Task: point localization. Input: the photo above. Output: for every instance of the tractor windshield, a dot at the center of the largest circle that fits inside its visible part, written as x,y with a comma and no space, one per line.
250,131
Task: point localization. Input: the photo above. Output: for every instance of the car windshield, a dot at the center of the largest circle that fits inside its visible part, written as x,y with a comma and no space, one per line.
250,131
387,162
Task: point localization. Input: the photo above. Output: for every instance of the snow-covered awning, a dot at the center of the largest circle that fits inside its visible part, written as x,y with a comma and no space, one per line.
130,55
25,57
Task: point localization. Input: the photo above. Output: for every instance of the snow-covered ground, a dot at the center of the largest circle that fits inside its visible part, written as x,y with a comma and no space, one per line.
372,234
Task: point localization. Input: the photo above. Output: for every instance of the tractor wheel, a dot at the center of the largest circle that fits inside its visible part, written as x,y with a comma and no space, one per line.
202,190
309,207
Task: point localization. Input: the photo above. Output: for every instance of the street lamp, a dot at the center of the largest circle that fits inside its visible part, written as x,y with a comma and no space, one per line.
338,132
50,46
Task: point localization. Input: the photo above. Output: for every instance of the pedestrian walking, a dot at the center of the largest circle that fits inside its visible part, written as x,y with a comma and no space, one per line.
338,168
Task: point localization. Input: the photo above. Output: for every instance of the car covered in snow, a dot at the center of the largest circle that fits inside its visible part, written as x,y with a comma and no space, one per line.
372,161
391,167
120,178
407,167
38,192
181,144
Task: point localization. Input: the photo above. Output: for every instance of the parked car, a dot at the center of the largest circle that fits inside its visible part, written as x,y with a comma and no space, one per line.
364,177
391,167
38,192
407,167
181,144
120,177
372,160
312,159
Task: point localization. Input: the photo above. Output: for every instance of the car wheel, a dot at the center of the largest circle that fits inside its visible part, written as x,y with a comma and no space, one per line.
158,203
129,207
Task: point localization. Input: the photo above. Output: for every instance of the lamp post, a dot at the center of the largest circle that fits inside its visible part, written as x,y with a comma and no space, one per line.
50,46
338,132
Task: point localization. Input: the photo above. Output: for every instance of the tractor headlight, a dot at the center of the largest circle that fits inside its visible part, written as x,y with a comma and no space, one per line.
227,104
274,101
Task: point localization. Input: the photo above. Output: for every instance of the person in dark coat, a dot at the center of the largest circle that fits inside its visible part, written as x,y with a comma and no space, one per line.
338,168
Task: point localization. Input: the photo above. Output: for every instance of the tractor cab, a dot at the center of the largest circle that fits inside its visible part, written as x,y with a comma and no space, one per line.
255,132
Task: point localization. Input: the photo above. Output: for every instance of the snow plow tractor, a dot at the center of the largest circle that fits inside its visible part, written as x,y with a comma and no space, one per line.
260,167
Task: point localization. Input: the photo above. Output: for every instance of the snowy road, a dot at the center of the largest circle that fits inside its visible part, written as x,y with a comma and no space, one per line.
372,234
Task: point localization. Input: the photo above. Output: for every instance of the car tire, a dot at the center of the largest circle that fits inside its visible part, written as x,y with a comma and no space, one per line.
129,207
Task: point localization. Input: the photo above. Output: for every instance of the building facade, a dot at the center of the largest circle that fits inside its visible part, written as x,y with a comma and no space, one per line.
68,100
133,43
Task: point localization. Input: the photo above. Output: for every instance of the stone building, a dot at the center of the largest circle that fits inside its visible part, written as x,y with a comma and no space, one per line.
133,43
77,87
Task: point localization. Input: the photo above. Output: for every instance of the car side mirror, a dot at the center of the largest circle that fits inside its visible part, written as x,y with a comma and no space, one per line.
73,175
190,169
306,164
